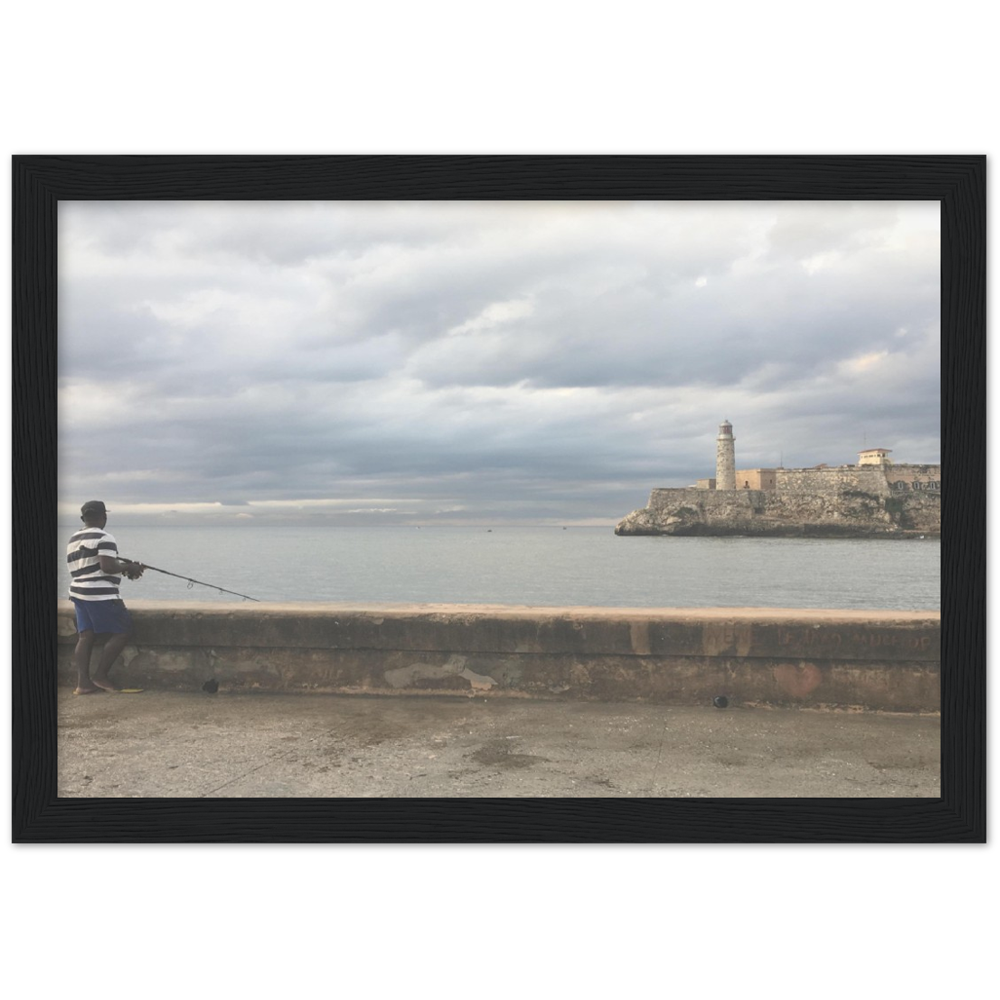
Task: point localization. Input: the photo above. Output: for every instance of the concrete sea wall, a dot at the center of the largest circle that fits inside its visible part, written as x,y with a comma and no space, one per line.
874,660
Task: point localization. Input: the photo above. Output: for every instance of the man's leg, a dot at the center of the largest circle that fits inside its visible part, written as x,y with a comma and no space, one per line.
112,649
81,660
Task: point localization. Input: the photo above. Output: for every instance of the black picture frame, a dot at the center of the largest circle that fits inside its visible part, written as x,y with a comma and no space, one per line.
958,182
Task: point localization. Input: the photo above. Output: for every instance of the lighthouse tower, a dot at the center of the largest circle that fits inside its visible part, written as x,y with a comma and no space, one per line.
725,458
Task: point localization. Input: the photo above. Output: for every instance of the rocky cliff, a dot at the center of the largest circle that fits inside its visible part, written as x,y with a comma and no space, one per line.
844,513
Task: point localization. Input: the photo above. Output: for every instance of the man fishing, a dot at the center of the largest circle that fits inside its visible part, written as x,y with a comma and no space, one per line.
95,572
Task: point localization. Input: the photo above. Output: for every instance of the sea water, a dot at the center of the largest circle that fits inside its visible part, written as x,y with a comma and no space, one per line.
538,566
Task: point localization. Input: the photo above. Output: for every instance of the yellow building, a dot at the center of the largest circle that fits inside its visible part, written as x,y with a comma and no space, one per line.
874,456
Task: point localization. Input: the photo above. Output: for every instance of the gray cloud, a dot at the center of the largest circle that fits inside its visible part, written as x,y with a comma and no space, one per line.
545,361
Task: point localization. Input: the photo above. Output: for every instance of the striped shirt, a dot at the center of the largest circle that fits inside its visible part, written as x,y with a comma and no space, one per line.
87,582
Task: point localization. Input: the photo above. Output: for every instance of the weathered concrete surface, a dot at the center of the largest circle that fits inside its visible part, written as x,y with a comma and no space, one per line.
877,660
166,744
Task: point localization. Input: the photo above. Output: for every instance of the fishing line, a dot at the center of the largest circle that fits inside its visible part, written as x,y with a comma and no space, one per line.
191,581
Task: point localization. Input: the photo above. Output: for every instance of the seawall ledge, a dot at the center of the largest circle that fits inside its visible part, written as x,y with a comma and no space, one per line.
887,660
314,609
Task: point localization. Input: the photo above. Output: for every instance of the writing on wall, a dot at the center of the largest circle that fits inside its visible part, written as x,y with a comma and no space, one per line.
927,485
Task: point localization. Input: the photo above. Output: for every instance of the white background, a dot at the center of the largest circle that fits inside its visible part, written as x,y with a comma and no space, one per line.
499,928
881,71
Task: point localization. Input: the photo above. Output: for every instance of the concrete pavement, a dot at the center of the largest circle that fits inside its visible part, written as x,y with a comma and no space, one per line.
193,745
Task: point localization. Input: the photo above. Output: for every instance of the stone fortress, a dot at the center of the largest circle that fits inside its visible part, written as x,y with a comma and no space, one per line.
874,498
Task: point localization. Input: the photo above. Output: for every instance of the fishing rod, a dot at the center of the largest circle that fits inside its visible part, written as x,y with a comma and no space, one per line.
190,580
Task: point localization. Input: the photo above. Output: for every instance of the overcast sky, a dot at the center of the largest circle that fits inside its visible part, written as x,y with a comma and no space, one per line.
471,362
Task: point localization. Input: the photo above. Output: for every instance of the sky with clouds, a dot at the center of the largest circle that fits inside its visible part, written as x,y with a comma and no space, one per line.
480,363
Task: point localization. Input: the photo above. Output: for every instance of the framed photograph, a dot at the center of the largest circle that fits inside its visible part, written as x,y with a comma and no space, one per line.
481,303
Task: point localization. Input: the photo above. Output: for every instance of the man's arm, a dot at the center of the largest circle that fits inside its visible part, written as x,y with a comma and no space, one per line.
121,567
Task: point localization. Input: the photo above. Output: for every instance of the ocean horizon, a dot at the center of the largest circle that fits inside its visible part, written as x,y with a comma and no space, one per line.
522,565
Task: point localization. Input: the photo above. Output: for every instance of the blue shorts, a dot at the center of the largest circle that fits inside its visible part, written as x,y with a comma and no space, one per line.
102,616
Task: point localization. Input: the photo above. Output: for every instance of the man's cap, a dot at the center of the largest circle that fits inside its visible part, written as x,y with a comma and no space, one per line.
94,507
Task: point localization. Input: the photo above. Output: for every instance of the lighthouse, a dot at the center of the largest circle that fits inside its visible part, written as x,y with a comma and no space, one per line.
725,458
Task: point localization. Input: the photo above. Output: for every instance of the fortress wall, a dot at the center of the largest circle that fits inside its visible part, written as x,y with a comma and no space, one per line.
749,510
868,479
877,480
874,660
668,497
755,479
843,512
907,478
